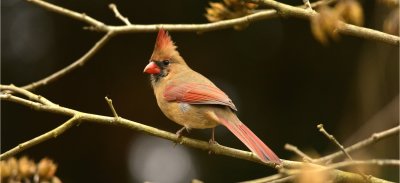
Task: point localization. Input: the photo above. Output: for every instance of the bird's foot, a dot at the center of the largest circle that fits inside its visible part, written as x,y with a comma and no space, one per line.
180,131
212,142
179,134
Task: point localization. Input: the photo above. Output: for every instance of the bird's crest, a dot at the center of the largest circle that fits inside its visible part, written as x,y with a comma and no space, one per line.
164,41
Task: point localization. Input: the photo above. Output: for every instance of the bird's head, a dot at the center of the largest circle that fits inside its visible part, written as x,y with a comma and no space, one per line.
165,58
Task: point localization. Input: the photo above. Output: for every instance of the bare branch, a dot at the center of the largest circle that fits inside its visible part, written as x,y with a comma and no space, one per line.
118,15
307,4
333,139
87,117
44,137
296,150
280,10
378,162
333,172
109,102
215,148
348,29
26,93
359,145
265,179
75,15
80,62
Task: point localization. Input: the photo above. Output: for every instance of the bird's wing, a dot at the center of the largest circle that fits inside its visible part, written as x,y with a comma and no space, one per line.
196,93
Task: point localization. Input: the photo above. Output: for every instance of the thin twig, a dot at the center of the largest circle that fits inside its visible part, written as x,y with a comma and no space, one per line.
296,150
359,145
64,11
41,138
80,62
280,10
28,94
333,139
265,179
293,174
378,162
307,4
118,15
110,104
336,142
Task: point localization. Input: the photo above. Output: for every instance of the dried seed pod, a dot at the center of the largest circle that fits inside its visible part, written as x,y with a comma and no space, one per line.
324,24
5,170
26,167
13,165
350,11
46,169
229,9
391,23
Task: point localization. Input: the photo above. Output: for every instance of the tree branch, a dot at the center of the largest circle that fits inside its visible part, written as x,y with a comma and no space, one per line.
348,29
107,120
118,15
280,10
53,108
80,62
44,137
359,145
333,139
110,104
297,151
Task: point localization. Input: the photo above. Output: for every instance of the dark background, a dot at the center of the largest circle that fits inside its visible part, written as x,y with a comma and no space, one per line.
281,79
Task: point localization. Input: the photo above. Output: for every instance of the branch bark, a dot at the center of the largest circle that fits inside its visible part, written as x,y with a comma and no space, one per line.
80,62
280,9
359,145
118,121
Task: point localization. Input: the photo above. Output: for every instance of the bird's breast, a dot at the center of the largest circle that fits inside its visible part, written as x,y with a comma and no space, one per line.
188,115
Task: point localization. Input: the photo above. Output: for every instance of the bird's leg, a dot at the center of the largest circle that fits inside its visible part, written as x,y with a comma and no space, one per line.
212,140
180,131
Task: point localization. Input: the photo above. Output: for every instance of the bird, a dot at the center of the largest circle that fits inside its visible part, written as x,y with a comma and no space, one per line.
193,101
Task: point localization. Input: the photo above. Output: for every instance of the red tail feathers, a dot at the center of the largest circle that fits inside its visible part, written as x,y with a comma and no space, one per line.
250,140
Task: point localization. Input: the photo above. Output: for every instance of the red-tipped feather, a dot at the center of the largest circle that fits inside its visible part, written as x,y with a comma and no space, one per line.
196,93
250,139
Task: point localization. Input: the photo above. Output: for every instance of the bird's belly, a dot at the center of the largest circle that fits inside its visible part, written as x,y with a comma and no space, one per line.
188,115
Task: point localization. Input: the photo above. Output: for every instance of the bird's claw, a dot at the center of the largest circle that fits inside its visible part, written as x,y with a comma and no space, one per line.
212,142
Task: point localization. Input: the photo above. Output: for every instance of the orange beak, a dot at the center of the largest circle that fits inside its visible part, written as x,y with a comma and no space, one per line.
152,68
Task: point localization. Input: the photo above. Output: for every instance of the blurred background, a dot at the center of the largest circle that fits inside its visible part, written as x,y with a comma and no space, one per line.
281,79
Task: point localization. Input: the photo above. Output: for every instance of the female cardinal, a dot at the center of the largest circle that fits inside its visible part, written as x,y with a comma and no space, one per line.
191,100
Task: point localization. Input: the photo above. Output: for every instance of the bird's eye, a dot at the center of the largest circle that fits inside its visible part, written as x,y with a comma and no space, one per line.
165,62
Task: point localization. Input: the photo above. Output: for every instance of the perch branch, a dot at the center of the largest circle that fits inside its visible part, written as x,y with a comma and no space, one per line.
107,120
53,108
280,10
80,62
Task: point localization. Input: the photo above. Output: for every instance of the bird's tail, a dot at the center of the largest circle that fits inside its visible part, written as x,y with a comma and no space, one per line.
250,139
